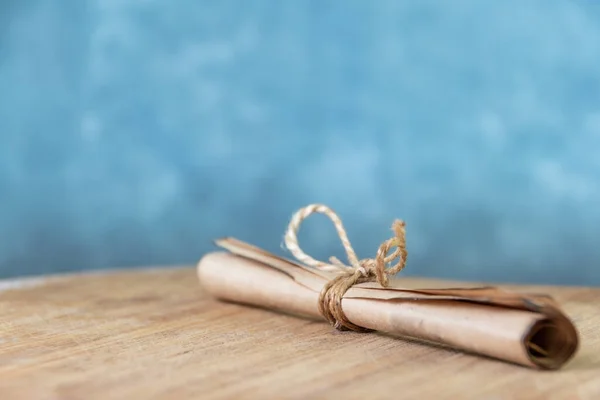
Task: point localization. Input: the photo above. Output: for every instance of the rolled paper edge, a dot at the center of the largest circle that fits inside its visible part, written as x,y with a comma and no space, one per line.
551,342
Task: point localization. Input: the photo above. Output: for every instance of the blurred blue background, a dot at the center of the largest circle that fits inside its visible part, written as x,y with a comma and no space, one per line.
134,132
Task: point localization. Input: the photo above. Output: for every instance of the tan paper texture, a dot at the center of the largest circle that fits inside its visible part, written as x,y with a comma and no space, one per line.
526,329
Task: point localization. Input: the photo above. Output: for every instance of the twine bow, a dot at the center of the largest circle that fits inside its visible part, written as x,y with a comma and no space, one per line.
358,271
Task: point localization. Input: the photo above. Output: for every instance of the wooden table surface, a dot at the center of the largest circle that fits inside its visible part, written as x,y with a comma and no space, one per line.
153,334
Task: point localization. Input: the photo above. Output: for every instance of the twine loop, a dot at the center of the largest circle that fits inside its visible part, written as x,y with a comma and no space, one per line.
376,269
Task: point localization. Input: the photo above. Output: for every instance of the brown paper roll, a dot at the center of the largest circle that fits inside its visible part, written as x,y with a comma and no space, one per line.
525,329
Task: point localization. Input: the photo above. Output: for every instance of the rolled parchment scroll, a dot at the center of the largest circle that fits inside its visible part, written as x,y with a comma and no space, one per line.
525,329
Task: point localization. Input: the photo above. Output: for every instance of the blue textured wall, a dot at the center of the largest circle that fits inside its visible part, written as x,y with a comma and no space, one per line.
133,132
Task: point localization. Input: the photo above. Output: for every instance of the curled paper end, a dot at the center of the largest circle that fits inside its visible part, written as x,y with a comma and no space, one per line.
550,343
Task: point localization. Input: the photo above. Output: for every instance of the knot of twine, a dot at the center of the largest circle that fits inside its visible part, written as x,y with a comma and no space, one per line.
358,271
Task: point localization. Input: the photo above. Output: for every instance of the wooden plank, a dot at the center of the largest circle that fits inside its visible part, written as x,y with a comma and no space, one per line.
154,334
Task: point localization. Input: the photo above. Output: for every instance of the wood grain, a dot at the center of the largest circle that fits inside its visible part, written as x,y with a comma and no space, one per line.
153,334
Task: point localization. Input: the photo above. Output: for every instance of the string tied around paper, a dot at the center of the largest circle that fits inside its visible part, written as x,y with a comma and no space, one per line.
376,269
